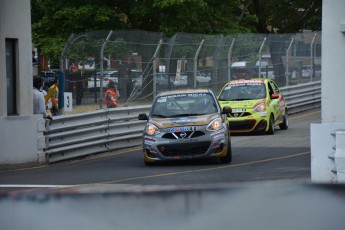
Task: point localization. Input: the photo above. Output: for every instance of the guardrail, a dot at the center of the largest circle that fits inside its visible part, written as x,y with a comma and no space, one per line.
302,97
77,135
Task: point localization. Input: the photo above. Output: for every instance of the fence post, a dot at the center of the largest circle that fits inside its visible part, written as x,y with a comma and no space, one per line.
229,58
101,68
312,58
62,56
260,56
287,62
196,61
154,64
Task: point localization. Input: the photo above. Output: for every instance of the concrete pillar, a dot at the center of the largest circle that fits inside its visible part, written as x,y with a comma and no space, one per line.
323,160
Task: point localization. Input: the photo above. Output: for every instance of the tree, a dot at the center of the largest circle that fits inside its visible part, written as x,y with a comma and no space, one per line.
284,17
54,21
287,16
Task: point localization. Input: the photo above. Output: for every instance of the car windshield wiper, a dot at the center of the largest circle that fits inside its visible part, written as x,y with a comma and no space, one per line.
238,99
158,115
244,99
185,115
233,99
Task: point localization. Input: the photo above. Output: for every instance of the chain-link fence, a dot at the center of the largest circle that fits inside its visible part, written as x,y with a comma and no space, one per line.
144,63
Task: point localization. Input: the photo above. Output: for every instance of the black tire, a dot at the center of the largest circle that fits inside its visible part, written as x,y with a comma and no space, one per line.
147,163
228,157
285,124
270,124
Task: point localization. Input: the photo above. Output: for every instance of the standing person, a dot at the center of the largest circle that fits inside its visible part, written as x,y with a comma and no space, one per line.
54,90
52,97
111,95
39,105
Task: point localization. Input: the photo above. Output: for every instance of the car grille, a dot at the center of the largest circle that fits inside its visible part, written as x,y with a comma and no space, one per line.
245,114
184,149
242,125
189,134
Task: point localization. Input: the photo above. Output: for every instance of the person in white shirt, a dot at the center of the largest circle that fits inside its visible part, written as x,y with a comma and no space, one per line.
39,105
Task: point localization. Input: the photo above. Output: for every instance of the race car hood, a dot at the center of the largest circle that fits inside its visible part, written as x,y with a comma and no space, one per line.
182,121
245,104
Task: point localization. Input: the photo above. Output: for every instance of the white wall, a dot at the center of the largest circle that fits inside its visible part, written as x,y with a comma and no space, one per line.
20,140
333,61
15,22
323,139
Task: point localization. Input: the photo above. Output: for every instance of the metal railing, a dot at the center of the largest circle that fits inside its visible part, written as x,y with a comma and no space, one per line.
302,97
78,135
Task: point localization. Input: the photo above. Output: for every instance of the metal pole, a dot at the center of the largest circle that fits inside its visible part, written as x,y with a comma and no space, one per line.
260,55
154,64
101,68
312,58
63,53
287,62
229,58
196,61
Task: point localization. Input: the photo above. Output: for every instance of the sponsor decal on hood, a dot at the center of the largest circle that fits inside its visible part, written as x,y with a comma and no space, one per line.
245,104
185,121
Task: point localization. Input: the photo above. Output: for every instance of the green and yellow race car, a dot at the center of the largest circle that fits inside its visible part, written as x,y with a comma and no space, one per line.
257,105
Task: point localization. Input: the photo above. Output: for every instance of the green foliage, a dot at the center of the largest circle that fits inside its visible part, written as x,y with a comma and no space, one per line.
53,21
117,48
286,16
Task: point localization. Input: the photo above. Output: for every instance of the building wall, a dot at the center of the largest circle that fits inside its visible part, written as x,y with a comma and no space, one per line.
20,134
333,61
327,155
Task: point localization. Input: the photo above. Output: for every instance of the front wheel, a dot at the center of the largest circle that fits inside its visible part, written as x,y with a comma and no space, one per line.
270,124
228,157
149,163
285,124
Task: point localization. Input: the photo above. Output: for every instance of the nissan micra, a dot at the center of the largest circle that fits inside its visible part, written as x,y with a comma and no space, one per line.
257,105
186,125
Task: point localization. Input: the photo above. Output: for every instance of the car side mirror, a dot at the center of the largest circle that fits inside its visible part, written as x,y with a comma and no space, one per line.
226,110
143,116
274,96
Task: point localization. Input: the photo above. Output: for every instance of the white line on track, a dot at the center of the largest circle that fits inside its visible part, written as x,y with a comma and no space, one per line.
31,186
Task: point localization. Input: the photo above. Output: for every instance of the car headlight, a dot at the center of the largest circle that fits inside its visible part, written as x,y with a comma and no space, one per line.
261,107
152,130
215,125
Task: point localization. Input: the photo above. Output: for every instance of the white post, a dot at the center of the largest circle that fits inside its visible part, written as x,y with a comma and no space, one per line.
312,58
229,58
196,61
287,62
154,65
63,53
101,67
260,55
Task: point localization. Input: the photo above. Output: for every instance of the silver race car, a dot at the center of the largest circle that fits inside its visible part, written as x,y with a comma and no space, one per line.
185,125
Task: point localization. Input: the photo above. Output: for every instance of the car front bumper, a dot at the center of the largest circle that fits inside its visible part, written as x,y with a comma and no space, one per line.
214,144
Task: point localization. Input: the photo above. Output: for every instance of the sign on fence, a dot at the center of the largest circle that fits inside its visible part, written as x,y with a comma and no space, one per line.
68,102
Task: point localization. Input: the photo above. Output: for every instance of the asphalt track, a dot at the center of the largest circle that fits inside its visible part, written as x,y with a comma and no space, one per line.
282,156
267,186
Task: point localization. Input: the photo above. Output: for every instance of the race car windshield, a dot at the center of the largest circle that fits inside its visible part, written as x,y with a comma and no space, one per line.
243,92
184,105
